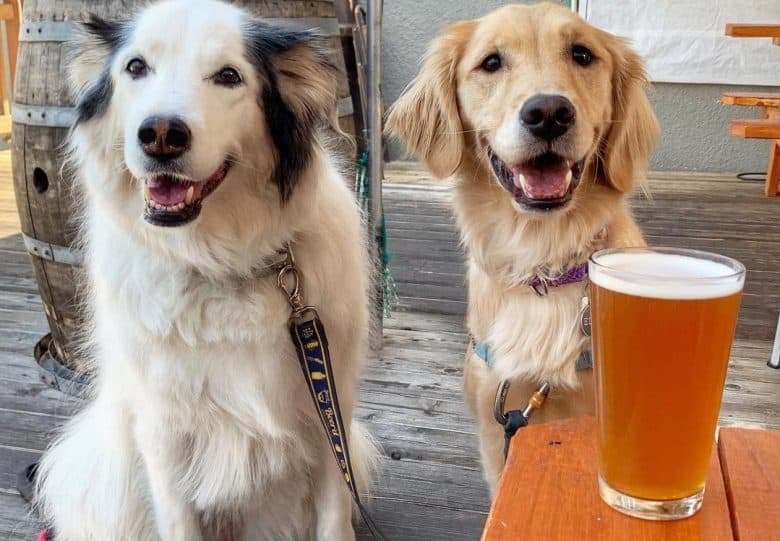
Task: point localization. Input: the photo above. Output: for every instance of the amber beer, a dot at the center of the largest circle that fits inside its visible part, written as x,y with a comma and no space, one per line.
663,322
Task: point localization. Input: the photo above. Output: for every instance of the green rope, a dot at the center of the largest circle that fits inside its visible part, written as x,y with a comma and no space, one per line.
361,188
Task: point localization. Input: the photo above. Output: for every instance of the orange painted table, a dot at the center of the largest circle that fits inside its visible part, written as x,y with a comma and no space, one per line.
549,491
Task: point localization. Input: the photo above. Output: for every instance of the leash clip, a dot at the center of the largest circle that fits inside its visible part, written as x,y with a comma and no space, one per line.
540,288
514,420
289,281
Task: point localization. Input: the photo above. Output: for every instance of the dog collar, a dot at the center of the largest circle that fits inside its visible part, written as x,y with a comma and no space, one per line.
481,350
572,275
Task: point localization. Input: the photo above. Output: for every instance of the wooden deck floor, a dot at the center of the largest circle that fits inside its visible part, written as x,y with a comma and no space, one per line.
430,486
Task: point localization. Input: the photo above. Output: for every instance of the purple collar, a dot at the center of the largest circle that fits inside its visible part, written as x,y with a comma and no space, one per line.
572,275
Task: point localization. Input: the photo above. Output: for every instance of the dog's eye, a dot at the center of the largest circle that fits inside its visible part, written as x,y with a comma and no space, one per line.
491,63
581,55
137,68
227,77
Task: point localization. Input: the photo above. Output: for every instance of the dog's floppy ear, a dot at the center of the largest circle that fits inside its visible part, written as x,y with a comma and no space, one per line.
634,131
298,93
426,116
89,53
307,79
90,49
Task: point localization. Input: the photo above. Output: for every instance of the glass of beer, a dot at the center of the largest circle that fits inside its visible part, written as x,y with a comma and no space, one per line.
663,321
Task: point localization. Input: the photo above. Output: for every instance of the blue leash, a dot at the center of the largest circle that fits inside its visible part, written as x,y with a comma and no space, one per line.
311,346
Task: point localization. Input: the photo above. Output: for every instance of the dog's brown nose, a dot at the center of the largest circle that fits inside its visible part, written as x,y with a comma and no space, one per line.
164,138
547,116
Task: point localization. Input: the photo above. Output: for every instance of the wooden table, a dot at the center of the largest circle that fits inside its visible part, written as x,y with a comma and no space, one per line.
549,491
767,127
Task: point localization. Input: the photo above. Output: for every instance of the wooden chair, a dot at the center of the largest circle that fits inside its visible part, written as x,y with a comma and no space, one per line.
767,127
10,17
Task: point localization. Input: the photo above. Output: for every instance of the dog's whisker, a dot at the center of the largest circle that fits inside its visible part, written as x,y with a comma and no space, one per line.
474,130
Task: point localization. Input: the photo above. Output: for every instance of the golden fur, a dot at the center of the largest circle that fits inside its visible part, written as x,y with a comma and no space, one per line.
449,116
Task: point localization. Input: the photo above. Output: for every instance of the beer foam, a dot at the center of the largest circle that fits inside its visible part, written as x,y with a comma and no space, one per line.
665,275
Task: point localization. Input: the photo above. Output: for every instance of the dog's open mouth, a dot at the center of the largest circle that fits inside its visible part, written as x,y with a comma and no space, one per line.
173,200
545,182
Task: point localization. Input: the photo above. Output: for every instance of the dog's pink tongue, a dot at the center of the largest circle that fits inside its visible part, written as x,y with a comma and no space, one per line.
549,181
168,192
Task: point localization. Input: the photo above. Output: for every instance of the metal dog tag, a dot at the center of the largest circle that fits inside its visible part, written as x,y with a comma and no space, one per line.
585,316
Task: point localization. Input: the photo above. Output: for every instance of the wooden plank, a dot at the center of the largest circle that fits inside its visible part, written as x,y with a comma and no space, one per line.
6,12
751,470
737,30
755,128
16,520
751,99
549,491
13,461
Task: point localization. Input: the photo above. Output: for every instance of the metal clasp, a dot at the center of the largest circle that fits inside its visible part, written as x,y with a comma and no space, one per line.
540,289
534,403
289,281
498,405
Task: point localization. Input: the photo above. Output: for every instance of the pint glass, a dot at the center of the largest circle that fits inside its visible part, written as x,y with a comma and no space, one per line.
663,322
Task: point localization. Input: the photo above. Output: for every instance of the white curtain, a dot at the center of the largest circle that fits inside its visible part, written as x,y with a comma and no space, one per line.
684,41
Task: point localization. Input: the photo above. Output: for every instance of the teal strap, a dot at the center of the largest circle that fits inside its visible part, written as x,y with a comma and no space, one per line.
584,361
484,353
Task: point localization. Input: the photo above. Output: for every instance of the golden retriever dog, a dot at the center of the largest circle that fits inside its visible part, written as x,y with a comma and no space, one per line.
543,123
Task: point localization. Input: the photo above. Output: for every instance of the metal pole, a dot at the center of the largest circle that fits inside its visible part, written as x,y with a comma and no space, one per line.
376,155
774,360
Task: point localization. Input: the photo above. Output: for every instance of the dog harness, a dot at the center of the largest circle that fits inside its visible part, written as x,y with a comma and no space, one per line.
584,361
514,420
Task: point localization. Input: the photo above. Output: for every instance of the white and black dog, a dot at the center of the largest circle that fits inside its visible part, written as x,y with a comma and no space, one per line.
198,150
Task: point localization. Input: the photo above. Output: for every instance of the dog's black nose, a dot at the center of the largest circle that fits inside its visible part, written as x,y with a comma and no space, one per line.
164,138
547,116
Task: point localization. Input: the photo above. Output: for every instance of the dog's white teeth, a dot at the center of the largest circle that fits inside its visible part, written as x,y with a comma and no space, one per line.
179,206
190,195
519,180
147,193
569,176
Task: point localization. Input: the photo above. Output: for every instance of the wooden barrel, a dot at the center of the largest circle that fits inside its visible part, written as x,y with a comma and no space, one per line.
43,112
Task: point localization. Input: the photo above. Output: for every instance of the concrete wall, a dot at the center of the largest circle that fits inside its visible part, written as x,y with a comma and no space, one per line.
694,123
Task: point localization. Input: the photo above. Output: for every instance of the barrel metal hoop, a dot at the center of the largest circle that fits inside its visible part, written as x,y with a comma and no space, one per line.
59,31
53,252
47,30
43,115
328,26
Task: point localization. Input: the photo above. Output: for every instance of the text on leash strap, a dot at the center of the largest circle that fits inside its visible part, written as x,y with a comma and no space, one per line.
311,346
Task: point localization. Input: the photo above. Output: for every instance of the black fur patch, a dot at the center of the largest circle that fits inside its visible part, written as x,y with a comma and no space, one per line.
95,101
112,33
292,134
